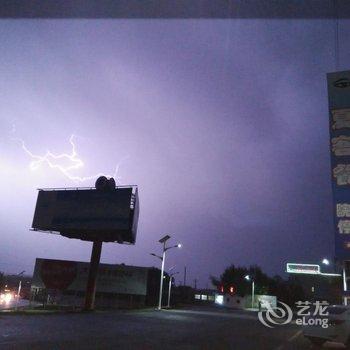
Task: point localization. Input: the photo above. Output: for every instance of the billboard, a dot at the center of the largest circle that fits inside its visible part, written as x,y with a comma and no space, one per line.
339,126
89,214
63,275
309,269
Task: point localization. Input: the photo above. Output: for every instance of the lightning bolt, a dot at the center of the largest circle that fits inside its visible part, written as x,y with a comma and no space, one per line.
52,160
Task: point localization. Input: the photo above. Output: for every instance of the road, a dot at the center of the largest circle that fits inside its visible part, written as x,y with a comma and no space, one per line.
191,328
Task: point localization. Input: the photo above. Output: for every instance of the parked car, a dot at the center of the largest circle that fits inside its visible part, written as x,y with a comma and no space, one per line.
337,329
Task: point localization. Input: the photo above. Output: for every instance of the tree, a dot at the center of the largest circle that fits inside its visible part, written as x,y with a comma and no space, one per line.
288,291
235,276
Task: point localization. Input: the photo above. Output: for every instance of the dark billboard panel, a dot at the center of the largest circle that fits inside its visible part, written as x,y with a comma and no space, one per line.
339,125
88,214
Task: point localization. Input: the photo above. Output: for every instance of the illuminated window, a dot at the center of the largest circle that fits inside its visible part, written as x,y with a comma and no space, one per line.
211,297
219,299
197,296
204,297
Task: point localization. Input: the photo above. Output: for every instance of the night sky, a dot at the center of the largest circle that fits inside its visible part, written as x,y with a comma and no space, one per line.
223,125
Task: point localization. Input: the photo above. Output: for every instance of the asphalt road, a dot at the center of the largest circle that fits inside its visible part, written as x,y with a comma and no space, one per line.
196,328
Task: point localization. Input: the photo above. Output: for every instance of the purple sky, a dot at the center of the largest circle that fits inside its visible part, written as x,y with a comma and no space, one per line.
224,124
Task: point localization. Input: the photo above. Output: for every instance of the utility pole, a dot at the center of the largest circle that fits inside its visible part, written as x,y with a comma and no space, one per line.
19,289
161,278
170,283
185,276
195,284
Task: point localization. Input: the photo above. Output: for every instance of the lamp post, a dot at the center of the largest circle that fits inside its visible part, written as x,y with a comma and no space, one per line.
248,278
19,288
327,262
163,241
170,283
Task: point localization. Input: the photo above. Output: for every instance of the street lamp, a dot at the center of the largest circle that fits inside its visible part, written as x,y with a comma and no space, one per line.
157,256
325,261
19,288
248,278
170,283
163,241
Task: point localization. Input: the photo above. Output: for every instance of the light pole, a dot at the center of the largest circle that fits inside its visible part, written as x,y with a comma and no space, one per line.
170,283
19,288
248,278
162,258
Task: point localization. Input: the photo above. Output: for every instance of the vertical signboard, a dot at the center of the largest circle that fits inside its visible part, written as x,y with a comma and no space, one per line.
339,123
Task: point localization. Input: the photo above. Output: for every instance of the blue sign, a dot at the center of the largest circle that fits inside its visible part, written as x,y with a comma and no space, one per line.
339,126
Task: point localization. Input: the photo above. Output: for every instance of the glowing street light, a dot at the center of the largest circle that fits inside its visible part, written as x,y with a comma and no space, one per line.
325,261
248,278
163,241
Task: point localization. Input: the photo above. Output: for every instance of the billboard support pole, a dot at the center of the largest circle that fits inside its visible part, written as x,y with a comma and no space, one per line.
93,271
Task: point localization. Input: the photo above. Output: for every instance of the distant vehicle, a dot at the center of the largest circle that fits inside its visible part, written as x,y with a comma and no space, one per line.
338,329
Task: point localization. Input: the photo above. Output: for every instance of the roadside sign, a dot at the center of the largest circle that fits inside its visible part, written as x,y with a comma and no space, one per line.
339,130
309,269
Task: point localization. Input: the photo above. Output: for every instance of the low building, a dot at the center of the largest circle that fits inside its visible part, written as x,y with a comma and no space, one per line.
64,282
205,295
238,302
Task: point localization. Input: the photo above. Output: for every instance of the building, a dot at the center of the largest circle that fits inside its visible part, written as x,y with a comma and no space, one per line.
234,301
205,295
64,282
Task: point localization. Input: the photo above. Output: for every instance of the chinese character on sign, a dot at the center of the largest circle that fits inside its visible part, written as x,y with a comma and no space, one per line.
343,210
342,174
341,145
341,118
344,226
